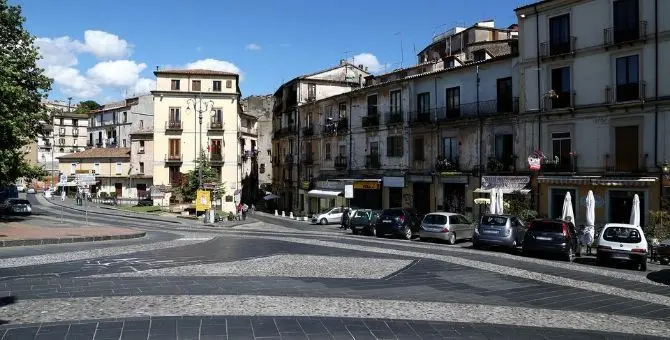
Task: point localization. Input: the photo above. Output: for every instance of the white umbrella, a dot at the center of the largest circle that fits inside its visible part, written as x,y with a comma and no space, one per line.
499,204
568,213
635,213
492,204
589,229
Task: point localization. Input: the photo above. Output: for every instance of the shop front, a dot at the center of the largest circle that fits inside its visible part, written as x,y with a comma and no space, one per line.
453,198
367,194
420,194
327,194
393,191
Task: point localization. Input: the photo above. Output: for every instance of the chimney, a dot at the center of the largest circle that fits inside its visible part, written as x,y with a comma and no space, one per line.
342,62
361,66
360,80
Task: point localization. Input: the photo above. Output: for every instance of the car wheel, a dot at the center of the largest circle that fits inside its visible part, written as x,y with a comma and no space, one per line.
354,232
643,265
373,231
452,239
600,261
476,245
664,262
408,233
323,221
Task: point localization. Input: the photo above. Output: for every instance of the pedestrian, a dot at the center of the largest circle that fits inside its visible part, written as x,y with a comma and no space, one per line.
245,208
345,218
253,208
239,212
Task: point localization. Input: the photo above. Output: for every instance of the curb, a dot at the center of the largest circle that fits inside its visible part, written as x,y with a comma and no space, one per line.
269,215
75,239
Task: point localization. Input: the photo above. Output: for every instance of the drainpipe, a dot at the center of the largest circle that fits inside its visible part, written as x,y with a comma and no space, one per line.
539,98
349,120
656,158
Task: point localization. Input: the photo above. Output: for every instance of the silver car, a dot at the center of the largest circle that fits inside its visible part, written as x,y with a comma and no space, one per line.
328,216
445,226
499,230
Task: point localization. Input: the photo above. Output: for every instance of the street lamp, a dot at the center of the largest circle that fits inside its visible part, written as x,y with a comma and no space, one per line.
200,106
665,168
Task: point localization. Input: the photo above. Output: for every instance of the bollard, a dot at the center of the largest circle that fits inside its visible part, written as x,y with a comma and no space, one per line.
283,213
291,215
276,212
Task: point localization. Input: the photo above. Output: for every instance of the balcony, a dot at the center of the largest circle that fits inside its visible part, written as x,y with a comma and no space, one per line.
558,48
626,163
174,158
624,34
98,143
89,144
444,164
479,109
370,122
251,130
632,92
502,164
215,126
343,124
285,131
394,118
340,162
562,100
308,130
173,126
373,161
216,158
421,117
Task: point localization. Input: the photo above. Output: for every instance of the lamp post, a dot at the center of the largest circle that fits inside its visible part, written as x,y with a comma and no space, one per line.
200,106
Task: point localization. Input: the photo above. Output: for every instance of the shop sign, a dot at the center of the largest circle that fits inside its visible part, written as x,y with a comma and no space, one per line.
331,185
348,191
203,200
366,185
394,182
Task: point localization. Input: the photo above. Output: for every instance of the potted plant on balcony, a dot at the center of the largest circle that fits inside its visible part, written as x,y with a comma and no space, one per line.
443,164
494,165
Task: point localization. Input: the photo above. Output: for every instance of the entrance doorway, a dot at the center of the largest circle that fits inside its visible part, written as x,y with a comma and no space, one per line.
421,192
454,197
621,205
395,197
118,188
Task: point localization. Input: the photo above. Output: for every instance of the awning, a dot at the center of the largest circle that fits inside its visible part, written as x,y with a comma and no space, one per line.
270,197
597,181
504,191
324,193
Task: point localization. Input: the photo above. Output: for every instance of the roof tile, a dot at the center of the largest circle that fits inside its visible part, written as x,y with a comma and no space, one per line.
99,153
201,72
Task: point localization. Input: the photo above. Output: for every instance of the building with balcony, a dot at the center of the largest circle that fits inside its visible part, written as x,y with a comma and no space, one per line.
111,167
141,162
595,100
197,112
260,107
64,134
289,121
112,124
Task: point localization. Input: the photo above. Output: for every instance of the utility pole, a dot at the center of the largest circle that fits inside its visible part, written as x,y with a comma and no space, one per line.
199,107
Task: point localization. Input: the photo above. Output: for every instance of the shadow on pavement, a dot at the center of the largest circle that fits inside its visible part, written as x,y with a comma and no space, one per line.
661,276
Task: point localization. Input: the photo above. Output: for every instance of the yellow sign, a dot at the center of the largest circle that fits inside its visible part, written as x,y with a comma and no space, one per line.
365,185
202,200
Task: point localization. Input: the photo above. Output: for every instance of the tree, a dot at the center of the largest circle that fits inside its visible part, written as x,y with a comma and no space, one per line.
191,182
520,205
23,85
86,106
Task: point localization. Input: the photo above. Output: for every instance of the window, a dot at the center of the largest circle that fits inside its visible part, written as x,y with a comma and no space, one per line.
216,149
125,117
249,125
114,118
62,121
174,148
394,146
119,168
327,151
141,148
423,102
329,111
217,117
626,15
561,147
560,83
61,141
195,85
73,168
374,148
343,151
627,78
62,131
141,167
372,105
453,96
75,122
504,96
343,110
559,34
96,168
504,146
395,105
141,124
90,139
74,141
216,86
418,149
174,84
450,148
311,91
622,235
175,114
229,84
175,176
479,55
124,143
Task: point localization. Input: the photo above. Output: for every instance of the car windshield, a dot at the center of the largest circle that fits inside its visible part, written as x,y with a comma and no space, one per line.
497,221
622,235
362,214
435,219
18,201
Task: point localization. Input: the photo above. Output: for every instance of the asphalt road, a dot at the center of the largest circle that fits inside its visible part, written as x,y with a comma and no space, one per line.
276,278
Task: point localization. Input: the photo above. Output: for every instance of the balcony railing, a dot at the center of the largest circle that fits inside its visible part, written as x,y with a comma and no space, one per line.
215,126
480,109
421,117
393,118
173,126
216,157
558,165
626,92
556,48
285,131
308,130
562,100
624,34
89,143
445,164
98,142
626,163
373,161
370,121
172,158
502,164
340,162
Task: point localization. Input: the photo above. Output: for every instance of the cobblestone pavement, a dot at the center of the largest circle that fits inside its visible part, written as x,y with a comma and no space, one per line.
276,278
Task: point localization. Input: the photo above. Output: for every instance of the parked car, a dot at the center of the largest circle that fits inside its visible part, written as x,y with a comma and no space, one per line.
364,221
16,206
327,216
445,226
498,230
552,237
30,191
622,242
20,188
403,222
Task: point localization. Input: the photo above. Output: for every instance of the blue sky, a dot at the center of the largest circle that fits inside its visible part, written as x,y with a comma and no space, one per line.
104,49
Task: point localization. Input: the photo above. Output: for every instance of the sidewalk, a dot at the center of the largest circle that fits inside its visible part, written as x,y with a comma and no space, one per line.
13,234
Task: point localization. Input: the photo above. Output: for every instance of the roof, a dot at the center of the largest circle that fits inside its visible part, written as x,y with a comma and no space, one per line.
99,153
199,72
532,4
305,76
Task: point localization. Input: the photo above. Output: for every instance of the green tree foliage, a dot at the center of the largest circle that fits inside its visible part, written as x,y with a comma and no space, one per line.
86,106
659,225
22,87
191,182
520,205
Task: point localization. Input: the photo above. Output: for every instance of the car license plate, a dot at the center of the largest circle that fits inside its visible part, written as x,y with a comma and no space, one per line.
495,232
386,221
542,238
620,257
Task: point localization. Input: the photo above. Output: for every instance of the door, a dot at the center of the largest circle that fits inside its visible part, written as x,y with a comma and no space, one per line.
335,216
504,95
421,197
626,153
118,188
141,191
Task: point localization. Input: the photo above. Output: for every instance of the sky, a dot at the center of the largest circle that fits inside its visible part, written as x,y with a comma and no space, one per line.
106,50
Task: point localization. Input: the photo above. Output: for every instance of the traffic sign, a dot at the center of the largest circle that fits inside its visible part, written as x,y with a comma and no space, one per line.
63,179
85,179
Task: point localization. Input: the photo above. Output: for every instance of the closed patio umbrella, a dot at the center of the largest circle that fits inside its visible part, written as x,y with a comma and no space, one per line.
568,212
499,205
493,203
635,211
589,229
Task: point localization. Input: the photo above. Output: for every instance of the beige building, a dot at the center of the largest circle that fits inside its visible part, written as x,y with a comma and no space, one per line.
66,133
198,111
261,108
141,161
111,167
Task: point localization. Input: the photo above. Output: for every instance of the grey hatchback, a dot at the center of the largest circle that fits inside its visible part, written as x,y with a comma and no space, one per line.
498,230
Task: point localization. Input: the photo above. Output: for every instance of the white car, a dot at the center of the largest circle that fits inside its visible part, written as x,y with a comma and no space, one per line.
328,216
622,242
20,187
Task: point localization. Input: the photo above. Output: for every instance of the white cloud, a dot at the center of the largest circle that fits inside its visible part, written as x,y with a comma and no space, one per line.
370,61
216,65
142,86
58,51
253,47
106,45
72,83
117,73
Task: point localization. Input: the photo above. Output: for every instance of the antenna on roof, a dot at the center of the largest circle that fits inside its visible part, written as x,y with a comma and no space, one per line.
402,53
157,68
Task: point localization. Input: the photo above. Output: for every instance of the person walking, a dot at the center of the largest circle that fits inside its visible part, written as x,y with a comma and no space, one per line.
245,208
345,218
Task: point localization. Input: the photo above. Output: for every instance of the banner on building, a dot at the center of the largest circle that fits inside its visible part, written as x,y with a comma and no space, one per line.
203,200
366,185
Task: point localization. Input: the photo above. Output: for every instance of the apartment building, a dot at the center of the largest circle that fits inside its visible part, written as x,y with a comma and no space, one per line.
112,124
260,107
141,162
286,142
65,134
197,112
111,167
248,158
595,93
